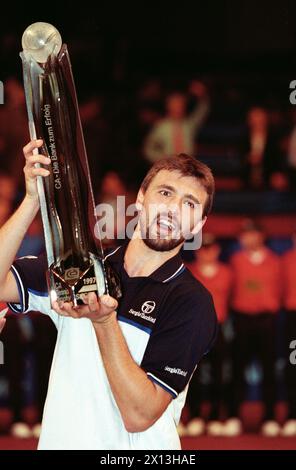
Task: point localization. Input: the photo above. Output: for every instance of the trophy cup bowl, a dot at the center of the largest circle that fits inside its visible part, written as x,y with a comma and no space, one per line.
76,263
40,40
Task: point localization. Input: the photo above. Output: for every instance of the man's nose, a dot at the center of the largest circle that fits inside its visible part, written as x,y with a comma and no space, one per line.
176,204
174,209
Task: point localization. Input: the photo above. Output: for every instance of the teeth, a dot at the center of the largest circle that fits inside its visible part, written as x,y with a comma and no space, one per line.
166,222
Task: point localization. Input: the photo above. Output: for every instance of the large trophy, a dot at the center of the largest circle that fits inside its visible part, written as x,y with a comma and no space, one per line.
76,264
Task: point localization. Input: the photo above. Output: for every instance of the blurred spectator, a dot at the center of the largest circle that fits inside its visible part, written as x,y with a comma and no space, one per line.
115,194
149,107
217,278
13,368
255,302
292,158
7,196
97,137
289,303
177,131
13,128
29,344
112,186
264,162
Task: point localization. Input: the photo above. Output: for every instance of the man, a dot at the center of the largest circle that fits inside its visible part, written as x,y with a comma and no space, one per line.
176,132
288,273
217,278
255,302
120,372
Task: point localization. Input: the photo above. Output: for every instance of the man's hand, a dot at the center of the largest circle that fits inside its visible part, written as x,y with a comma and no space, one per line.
2,323
98,310
2,319
31,172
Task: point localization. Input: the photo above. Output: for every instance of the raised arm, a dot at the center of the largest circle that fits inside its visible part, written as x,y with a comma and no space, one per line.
14,230
202,109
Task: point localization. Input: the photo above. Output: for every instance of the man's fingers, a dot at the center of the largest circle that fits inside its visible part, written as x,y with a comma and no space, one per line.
59,309
104,301
31,171
32,159
67,308
109,301
91,301
102,306
77,312
40,172
3,312
94,305
90,297
2,323
28,149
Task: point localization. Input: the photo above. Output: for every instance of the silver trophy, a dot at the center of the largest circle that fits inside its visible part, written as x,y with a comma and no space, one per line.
75,256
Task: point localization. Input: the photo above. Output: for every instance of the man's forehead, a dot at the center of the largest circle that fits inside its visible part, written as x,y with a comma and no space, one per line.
175,179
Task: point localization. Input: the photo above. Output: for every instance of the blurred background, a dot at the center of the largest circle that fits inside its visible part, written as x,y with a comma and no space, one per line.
211,79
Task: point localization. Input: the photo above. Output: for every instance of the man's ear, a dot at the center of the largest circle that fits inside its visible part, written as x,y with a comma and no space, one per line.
199,226
140,200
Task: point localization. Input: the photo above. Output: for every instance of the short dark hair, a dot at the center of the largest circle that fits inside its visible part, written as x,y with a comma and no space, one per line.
187,166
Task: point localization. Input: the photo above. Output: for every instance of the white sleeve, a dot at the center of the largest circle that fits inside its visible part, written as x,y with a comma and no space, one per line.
31,299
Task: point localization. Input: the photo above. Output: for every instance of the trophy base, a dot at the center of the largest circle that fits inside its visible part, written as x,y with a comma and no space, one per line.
74,283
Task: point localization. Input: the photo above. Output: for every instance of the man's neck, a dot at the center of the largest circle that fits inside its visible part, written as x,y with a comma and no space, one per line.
140,260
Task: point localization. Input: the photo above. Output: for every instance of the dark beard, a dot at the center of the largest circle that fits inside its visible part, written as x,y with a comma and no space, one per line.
160,244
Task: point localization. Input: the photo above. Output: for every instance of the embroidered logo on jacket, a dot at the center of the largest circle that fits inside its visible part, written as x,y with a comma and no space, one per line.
173,370
146,308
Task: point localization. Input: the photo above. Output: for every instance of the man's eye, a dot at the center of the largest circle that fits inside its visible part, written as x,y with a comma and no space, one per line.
164,192
190,204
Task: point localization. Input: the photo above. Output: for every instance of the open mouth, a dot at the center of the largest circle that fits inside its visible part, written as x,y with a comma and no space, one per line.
165,225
